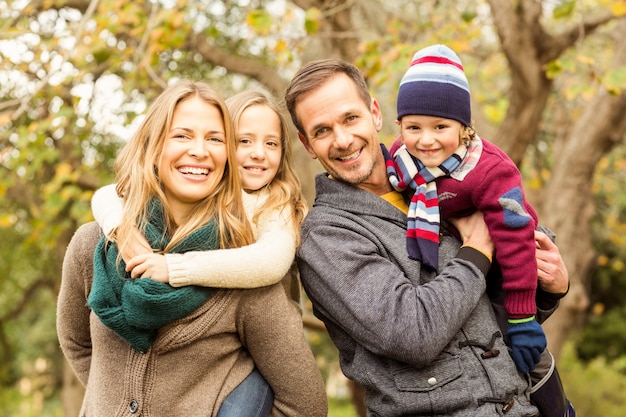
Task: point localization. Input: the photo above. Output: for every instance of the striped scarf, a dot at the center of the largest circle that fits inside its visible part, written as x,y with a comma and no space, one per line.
405,171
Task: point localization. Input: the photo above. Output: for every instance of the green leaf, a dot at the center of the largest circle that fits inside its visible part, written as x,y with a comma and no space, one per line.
553,68
312,20
564,10
260,21
468,16
615,80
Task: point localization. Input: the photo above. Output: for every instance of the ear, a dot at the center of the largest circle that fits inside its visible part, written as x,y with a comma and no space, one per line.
377,114
307,145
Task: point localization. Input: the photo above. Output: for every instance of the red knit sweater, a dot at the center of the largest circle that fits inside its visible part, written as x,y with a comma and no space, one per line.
494,186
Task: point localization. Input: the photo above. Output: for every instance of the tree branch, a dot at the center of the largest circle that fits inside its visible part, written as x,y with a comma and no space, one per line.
248,66
554,46
24,103
28,293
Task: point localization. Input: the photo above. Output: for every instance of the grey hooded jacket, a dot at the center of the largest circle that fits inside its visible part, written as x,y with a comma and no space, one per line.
420,344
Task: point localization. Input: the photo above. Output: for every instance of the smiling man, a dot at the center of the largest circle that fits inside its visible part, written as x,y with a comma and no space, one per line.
420,343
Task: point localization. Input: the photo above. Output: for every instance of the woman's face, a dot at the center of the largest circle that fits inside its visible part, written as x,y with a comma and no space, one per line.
194,155
259,146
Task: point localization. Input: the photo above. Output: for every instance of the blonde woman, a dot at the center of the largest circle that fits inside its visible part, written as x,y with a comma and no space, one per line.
142,346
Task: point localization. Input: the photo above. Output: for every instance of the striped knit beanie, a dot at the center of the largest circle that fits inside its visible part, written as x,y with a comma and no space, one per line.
435,85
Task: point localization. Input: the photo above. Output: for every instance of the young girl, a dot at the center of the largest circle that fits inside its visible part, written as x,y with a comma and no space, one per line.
272,199
156,350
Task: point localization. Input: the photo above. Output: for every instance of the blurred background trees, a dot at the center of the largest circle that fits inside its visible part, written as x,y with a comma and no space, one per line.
547,80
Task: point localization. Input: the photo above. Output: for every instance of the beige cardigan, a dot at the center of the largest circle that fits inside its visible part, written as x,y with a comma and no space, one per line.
196,361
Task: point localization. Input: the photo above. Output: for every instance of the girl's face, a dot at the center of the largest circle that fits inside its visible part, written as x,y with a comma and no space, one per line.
430,139
259,146
194,155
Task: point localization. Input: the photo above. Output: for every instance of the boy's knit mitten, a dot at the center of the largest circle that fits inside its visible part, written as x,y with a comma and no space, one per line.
527,341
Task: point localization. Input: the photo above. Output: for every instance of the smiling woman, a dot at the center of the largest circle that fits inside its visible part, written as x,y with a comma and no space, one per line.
194,156
180,351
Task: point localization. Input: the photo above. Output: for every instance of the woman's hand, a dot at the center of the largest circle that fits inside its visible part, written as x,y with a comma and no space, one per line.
551,270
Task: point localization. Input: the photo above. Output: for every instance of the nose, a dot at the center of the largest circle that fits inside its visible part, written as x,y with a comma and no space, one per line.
427,137
343,138
198,148
258,152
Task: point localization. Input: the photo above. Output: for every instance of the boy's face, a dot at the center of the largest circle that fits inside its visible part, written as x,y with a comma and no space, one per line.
430,139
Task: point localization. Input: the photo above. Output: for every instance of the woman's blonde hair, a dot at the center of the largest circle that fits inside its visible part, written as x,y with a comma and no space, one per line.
138,181
285,189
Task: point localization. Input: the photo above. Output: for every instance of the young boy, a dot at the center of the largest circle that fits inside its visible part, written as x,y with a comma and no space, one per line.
453,173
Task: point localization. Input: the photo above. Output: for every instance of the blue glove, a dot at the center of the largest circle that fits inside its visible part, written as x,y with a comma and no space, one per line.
527,341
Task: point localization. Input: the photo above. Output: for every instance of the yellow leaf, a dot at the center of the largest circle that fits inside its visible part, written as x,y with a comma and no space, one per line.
63,169
280,46
7,220
598,308
619,8
5,118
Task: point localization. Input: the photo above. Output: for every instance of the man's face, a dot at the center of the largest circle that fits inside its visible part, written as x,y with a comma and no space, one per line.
341,131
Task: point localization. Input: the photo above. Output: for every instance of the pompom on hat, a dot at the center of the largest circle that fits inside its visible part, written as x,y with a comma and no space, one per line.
435,85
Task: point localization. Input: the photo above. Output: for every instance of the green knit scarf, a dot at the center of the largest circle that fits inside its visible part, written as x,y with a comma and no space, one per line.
136,308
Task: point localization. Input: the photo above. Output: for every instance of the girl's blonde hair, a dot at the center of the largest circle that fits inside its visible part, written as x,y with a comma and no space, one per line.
285,189
138,181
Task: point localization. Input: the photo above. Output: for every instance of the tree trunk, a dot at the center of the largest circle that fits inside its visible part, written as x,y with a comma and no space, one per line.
569,208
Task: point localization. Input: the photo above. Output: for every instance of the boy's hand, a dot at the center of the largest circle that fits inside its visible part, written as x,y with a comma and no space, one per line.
527,341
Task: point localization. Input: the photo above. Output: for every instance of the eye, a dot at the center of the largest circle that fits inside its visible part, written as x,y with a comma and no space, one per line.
216,139
244,140
321,132
273,143
180,136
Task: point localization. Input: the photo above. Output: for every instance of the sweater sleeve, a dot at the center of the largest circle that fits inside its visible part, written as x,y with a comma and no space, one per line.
107,208
262,263
271,329
362,293
511,222
72,321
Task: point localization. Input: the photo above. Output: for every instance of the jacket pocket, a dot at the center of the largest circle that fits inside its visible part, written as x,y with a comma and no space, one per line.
437,375
440,387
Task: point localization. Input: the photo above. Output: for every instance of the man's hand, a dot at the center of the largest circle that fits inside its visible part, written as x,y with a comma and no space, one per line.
551,270
474,232
149,265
